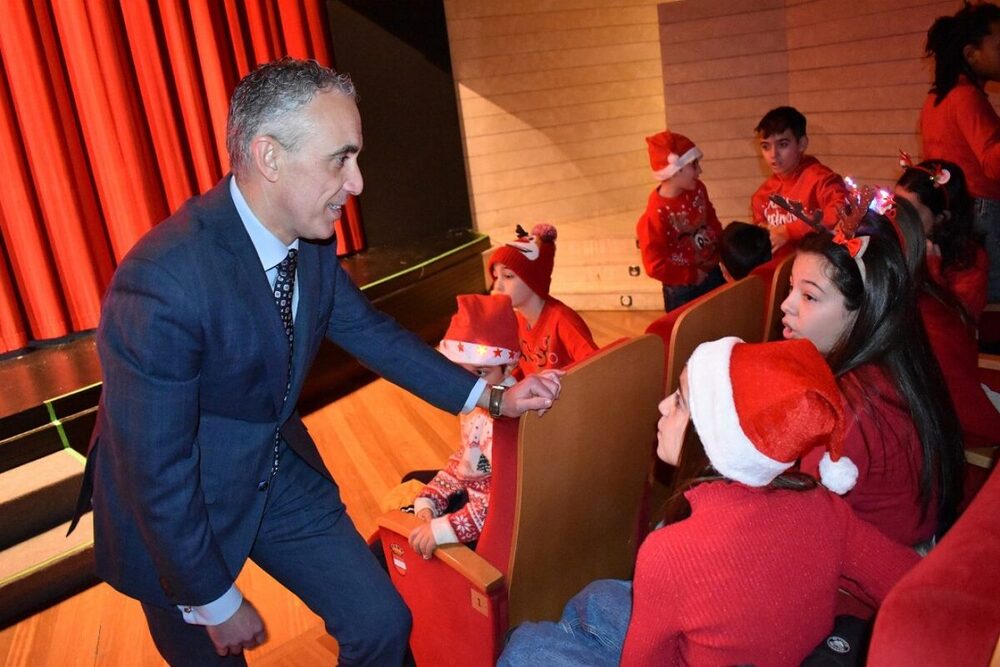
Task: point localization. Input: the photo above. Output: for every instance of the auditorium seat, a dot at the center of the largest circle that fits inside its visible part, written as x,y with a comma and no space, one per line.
565,509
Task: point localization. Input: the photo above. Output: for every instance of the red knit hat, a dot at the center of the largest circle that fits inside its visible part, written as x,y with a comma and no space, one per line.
530,257
483,331
759,408
669,152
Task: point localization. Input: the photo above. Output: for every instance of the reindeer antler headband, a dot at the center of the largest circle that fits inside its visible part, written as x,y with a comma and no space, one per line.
939,175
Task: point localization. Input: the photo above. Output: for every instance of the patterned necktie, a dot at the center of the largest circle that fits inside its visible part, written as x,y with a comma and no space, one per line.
284,288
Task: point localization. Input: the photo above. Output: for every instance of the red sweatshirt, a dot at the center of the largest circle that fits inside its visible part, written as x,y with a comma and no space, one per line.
965,129
968,285
883,442
752,577
679,236
813,184
557,339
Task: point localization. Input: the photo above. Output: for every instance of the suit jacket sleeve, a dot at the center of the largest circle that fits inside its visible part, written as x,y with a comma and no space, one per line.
150,343
396,354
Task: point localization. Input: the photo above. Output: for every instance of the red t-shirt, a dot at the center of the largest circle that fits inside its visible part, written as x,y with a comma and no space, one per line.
557,339
965,129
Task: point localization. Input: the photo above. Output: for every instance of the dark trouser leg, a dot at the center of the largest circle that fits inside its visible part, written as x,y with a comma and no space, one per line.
309,544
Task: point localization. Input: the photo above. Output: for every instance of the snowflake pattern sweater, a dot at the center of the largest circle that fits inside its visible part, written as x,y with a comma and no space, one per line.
469,469
679,236
815,185
751,577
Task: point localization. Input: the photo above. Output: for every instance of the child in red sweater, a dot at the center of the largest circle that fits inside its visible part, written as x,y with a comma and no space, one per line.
749,571
679,232
796,176
552,335
852,296
959,124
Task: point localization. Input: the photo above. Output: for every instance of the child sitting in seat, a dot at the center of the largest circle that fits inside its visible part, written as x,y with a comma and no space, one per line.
679,232
749,571
482,339
552,335
796,176
742,248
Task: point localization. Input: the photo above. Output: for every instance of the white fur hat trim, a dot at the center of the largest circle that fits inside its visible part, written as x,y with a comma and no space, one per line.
839,476
675,163
713,411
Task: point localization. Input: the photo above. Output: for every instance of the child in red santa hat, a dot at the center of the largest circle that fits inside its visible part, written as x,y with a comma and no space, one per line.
750,569
482,338
552,335
679,232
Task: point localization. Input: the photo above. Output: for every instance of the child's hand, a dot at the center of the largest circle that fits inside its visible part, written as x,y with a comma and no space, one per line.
779,237
425,514
422,540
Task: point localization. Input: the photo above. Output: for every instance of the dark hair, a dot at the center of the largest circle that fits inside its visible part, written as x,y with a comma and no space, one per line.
743,247
265,100
888,332
954,234
779,119
947,39
694,468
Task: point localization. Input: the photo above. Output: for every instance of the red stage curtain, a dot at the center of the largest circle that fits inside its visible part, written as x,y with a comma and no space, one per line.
112,114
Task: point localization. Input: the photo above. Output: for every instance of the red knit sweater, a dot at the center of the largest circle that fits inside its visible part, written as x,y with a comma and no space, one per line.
883,442
815,185
752,577
679,236
557,339
965,129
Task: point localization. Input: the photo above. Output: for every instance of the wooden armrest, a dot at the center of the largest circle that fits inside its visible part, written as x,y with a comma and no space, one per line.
983,457
992,308
990,362
470,565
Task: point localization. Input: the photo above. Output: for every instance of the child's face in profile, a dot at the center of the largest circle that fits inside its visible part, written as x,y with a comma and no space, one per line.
783,151
815,308
492,374
687,178
675,415
507,282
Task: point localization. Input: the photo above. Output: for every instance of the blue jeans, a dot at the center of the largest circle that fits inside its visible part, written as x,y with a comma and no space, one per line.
987,222
675,296
591,631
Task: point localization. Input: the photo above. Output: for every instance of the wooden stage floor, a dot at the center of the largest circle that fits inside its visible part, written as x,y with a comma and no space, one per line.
368,439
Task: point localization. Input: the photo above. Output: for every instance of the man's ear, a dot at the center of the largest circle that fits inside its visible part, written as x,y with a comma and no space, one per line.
265,152
803,143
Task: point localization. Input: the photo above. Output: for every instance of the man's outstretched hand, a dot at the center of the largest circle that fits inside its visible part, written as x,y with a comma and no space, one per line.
535,392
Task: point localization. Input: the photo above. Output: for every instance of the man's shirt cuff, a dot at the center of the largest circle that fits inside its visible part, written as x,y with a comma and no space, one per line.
215,612
477,391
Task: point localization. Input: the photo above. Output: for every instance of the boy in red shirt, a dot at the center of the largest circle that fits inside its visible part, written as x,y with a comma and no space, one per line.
679,232
552,335
796,176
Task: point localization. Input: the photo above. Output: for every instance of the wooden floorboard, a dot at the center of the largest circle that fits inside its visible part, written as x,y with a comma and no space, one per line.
368,439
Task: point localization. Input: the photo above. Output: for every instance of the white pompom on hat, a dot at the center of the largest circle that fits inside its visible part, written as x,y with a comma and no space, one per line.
483,332
758,408
670,152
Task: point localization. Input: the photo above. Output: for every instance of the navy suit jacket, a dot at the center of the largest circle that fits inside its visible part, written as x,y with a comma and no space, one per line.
194,362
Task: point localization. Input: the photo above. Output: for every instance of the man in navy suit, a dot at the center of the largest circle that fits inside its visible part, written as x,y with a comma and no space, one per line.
199,459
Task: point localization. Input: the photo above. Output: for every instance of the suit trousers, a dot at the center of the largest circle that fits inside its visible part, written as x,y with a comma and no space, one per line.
309,544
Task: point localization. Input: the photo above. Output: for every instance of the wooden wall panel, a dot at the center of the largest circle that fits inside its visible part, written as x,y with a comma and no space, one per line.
556,97
854,68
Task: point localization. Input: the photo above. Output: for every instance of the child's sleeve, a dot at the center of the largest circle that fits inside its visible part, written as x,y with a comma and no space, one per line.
830,192
465,525
980,126
435,494
575,336
873,563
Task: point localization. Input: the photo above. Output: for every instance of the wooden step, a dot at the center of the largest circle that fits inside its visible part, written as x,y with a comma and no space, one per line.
45,568
38,495
47,438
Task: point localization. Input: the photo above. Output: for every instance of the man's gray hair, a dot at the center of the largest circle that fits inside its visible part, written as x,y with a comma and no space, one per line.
265,102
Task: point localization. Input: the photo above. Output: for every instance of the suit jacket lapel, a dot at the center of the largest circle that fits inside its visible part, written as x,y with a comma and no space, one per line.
249,284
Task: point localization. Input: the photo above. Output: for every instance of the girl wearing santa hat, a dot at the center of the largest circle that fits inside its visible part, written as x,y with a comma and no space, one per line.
851,295
749,571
